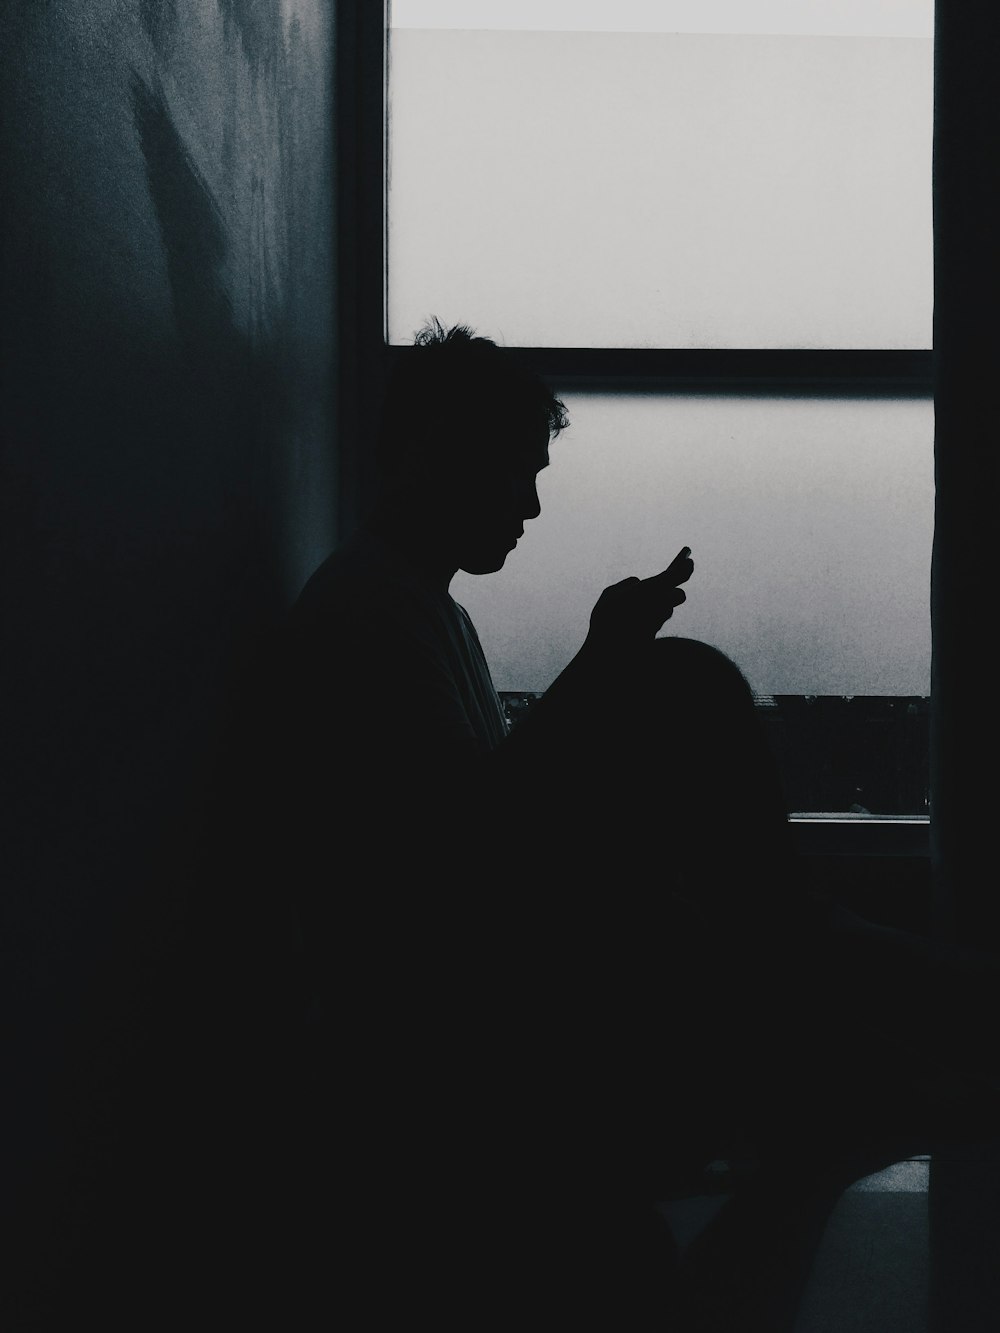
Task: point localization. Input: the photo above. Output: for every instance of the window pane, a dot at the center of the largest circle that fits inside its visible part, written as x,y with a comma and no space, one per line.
810,523
715,188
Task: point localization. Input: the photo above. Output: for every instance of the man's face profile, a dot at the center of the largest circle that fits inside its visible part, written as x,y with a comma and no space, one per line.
499,497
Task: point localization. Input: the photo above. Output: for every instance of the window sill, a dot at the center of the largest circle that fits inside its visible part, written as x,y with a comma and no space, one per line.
847,834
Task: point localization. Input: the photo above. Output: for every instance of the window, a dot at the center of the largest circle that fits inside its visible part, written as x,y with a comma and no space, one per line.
709,224
732,175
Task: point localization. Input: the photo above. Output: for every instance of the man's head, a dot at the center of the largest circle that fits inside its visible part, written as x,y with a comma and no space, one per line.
465,430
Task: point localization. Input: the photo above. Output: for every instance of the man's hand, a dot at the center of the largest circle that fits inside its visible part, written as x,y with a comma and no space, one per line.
633,611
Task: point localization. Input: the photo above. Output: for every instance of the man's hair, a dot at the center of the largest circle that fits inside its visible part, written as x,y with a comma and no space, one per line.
454,388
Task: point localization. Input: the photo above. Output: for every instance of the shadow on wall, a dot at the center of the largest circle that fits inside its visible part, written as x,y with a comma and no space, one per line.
193,234
166,319
258,23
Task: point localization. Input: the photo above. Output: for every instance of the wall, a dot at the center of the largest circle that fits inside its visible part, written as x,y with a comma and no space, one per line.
169,481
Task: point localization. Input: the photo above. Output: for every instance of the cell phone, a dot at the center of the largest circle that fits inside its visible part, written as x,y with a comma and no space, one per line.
678,571
680,562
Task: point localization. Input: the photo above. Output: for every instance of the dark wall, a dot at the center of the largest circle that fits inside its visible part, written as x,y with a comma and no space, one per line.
168,478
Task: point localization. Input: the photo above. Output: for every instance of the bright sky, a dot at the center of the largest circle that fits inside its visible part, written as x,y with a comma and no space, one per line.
837,18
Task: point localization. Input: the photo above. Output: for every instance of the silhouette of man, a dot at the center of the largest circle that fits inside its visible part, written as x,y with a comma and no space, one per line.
495,919
402,756
548,988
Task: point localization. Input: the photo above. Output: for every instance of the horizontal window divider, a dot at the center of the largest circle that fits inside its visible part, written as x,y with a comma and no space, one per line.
885,373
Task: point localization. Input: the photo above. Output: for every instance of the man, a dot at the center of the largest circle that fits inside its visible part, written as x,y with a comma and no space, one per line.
497,921
401,757
548,988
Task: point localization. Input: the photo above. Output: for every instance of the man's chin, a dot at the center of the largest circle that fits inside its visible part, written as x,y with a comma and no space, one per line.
485,564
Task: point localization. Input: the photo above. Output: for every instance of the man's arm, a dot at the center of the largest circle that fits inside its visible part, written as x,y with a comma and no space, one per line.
626,617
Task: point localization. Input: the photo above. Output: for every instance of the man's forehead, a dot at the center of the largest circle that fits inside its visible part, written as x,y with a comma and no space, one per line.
519,448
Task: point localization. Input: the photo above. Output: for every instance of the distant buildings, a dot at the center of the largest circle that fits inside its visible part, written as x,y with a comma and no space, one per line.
864,754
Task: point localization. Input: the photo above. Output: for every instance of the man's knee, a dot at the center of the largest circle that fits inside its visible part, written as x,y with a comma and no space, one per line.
699,670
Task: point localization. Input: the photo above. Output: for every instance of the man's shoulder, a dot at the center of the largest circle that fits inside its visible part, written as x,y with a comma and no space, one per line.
364,583
357,570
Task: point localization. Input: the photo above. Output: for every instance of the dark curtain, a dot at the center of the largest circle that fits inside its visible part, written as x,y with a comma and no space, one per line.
964,711
965,1181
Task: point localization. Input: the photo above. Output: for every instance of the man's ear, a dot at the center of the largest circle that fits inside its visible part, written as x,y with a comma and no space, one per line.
422,482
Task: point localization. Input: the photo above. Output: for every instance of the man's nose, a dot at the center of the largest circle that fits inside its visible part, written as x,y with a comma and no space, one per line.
534,506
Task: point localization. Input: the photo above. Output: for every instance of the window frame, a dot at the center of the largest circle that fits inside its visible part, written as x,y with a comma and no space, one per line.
363,61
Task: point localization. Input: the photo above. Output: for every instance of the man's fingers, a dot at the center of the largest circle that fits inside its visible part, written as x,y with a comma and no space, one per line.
682,565
665,612
642,606
679,570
